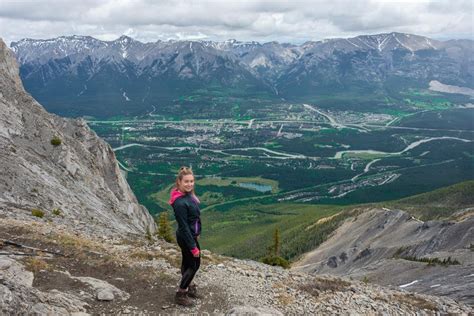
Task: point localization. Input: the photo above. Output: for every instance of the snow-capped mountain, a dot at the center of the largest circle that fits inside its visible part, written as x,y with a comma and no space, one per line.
77,69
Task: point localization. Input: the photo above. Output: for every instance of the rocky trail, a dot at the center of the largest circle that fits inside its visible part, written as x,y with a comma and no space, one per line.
108,275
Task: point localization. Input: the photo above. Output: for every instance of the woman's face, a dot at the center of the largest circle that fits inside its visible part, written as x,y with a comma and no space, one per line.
187,183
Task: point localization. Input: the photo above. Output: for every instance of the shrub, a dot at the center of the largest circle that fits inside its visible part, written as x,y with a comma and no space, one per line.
276,261
56,141
38,213
57,212
164,227
365,280
36,264
148,234
432,261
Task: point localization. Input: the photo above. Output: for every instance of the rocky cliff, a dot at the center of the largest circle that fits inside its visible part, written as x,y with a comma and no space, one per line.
58,168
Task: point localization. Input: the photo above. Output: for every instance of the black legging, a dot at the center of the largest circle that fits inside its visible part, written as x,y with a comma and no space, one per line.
189,265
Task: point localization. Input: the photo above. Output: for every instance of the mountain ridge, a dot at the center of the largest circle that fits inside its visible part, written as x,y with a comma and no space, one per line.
57,70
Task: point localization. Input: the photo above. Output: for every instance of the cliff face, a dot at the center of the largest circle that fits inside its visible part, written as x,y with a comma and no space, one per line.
79,178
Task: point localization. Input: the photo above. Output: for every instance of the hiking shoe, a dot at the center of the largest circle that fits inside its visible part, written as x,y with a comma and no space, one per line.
192,291
181,298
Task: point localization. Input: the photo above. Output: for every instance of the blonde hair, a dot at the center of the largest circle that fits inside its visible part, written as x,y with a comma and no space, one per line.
184,171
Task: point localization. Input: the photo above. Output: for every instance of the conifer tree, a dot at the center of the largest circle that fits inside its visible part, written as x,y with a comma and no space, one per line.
273,257
164,227
276,242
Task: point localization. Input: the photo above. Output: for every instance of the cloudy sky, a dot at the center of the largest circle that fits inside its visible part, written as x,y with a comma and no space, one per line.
294,21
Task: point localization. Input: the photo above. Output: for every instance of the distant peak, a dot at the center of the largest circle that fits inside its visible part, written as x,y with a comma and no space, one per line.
124,39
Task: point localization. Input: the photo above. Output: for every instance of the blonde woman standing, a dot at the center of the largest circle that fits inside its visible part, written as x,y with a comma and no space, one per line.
185,204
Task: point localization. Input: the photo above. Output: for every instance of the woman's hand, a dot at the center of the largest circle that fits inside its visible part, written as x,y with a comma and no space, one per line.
195,251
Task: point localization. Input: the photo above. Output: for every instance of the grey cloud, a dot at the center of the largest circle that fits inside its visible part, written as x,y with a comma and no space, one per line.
261,20
444,7
51,10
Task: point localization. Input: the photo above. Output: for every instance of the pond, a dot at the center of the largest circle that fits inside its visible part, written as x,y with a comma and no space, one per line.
256,186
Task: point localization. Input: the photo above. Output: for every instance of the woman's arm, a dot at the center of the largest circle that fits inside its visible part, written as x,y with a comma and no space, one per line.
181,215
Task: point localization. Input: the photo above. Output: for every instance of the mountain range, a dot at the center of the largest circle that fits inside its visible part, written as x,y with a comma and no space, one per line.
81,75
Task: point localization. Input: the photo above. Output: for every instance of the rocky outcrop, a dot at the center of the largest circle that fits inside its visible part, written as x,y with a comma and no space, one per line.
18,296
73,179
387,247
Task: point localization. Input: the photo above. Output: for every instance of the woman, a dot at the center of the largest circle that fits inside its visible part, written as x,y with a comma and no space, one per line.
186,210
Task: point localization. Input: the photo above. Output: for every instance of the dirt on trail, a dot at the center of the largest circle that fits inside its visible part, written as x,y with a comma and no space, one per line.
115,275
122,264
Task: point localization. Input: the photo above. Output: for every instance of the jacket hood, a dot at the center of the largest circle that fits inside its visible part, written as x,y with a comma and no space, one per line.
176,194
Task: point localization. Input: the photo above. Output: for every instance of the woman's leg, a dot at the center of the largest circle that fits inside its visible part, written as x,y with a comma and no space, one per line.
183,262
192,289
187,266
186,263
191,267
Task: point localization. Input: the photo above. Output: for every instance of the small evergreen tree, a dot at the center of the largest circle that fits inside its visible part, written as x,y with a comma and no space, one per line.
164,227
273,257
276,242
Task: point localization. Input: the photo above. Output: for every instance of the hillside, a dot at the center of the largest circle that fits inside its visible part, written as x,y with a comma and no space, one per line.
246,230
389,236
391,246
441,203
113,275
58,168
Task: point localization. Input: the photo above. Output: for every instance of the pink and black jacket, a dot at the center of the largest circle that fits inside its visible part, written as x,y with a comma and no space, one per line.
187,214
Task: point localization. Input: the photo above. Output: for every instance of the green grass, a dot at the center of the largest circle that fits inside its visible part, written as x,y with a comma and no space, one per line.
234,181
245,231
435,104
365,156
37,212
272,145
437,204
161,197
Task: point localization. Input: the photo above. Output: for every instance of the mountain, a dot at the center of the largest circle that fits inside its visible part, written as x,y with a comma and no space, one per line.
72,75
376,63
390,246
58,169
80,75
